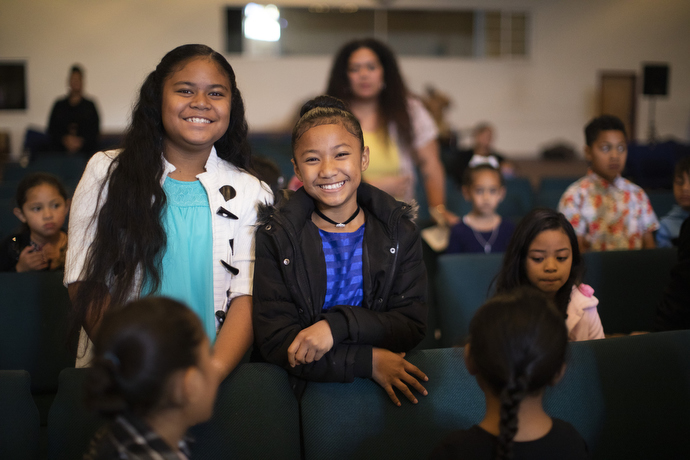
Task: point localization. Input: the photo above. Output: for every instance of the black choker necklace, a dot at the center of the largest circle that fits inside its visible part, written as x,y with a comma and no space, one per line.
331,221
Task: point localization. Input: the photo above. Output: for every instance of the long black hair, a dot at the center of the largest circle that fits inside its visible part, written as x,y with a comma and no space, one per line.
137,350
518,344
513,273
130,238
392,98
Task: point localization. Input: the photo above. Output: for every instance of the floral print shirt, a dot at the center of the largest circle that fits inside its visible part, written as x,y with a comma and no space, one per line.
609,215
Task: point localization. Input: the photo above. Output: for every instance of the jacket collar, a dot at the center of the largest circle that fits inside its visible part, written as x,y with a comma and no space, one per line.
211,165
296,207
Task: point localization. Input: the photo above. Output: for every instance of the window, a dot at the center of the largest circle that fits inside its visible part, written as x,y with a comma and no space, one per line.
322,29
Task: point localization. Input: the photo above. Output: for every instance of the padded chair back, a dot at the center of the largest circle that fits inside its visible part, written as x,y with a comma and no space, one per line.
70,424
8,221
256,416
519,199
645,382
462,286
19,419
551,189
662,202
358,420
629,285
34,327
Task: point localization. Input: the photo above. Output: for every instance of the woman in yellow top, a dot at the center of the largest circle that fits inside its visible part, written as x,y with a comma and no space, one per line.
398,130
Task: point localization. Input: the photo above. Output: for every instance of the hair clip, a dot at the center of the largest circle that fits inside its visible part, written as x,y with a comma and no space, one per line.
110,356
225,213
228,192
229,268
478,160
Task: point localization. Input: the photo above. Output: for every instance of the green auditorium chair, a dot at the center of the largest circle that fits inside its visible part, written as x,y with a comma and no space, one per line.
551,189
276,147
662,201
8,221
34,326
70,424
519,199
358,421
19,419
629,285
645,383
462,286
256,416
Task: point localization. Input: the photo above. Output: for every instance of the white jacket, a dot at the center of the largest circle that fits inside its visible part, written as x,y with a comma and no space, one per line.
239,254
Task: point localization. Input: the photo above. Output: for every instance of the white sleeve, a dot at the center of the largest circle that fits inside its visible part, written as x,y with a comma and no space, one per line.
423,125
83,213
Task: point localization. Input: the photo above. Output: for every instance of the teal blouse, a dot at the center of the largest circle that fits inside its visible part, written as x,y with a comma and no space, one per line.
187,265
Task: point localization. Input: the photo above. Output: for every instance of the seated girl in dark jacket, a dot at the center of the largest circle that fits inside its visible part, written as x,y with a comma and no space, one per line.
339,282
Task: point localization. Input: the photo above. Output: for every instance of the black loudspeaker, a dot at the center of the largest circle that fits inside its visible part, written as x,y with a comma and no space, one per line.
233,31
655,80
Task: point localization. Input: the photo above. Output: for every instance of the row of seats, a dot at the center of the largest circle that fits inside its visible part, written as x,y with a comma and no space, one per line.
36,307
628,397
628,284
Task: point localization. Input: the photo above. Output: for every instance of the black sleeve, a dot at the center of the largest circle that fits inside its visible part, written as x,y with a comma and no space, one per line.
401,324
277,319
90,127
57,127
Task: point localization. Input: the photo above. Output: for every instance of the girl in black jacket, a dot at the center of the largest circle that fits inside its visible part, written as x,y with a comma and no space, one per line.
339,283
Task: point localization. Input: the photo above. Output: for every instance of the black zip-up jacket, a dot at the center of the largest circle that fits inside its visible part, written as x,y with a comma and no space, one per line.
290,286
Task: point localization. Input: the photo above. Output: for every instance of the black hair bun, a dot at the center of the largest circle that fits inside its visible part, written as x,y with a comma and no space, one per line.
324,102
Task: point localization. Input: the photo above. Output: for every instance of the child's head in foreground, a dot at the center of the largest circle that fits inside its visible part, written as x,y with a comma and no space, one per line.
543,252
328,152
484,187
607,146
152,359
517,347
681,183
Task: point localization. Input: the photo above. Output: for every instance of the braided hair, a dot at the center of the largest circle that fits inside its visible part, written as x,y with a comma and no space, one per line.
518,344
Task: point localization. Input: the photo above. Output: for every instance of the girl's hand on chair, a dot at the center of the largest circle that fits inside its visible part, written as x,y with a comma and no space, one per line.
311,344
390,370
31,260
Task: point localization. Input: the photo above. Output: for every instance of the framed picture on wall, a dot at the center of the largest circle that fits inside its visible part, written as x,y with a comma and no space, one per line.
13,85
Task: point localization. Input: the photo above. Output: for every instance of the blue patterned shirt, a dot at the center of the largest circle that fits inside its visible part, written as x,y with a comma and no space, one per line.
343,254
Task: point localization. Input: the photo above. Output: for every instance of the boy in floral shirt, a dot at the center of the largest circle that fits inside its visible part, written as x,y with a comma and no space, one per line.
607,211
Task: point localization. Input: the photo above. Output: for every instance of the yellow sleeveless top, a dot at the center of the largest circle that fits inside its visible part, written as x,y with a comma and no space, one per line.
384,157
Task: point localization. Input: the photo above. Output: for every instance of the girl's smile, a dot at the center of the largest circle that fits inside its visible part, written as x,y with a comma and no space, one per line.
330,161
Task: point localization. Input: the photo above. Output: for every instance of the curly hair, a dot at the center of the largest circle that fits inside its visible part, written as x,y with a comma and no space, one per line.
392,98
130,238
